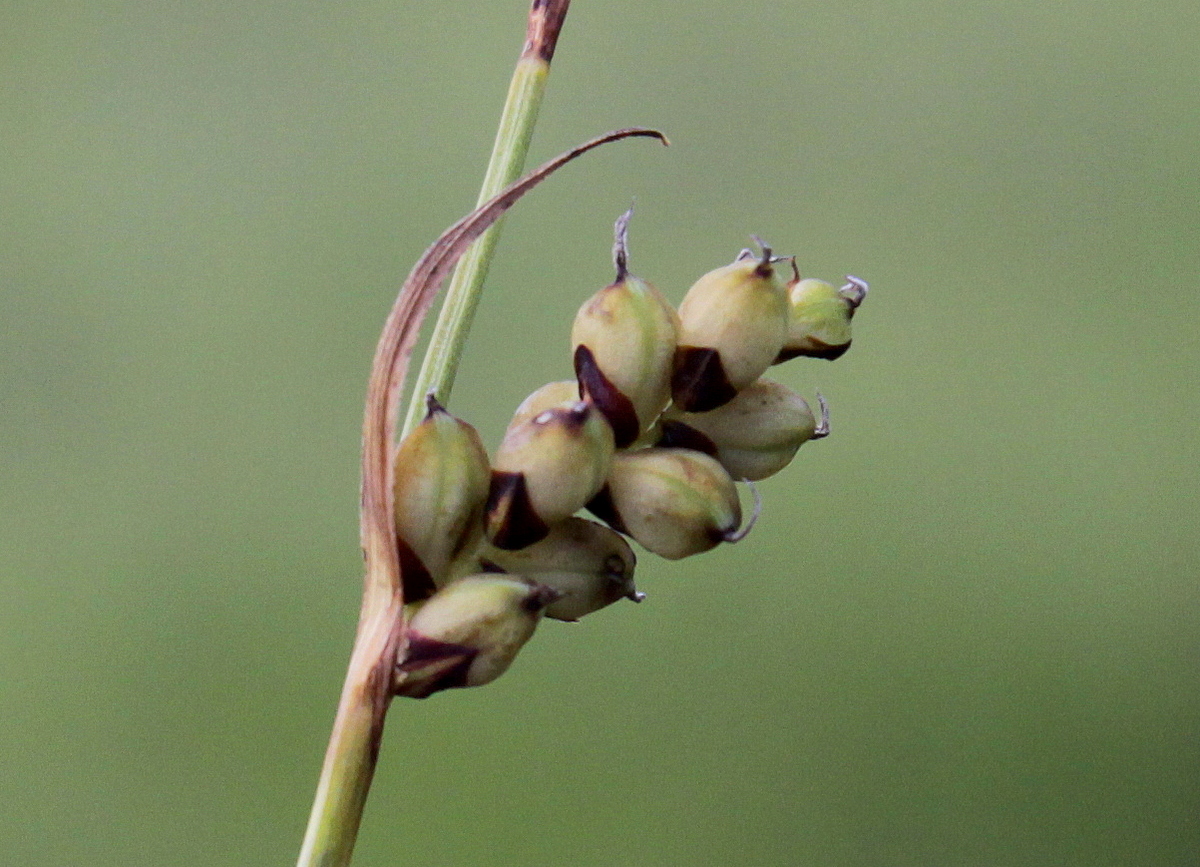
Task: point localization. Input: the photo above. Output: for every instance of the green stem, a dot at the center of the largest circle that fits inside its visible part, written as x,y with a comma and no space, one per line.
520,112
353,744
353,750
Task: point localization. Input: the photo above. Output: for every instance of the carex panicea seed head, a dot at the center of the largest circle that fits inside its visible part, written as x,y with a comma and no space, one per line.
733,322
441,485
546,468
624,340
753,436
589,564
673,501
819,316
469,632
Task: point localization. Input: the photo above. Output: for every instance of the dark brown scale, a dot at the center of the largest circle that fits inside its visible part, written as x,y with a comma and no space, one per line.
603,508
698,382
677,435
421,651
823,350
414,577
613,405
509,507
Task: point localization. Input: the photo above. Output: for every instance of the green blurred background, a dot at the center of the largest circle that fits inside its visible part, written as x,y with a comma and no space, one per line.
966,630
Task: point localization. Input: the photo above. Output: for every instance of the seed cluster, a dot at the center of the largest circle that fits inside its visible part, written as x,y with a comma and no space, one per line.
666,411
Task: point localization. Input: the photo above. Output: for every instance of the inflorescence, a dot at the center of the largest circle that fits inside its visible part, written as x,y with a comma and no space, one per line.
666,412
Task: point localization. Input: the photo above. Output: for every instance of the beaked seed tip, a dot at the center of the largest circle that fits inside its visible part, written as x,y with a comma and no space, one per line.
822,429
739,535
854,291
621,244
432,404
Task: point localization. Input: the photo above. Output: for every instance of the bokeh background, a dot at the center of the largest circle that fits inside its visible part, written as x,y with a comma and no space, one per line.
965,631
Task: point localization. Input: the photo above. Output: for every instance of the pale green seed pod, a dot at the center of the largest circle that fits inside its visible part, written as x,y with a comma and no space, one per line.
819,317
552,394
733,322
545,470
753,436
469,632
589,564
441,486
673,501
624,340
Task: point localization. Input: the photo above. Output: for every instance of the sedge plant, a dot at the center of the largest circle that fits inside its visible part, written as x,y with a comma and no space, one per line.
668,412
354,743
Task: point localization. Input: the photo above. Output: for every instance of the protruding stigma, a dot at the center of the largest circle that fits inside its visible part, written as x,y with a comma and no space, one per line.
822,429
621,244
739,535
854,291
765,260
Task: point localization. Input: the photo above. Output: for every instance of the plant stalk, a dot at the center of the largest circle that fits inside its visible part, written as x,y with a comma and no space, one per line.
513,135
354,742
381,638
